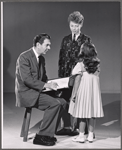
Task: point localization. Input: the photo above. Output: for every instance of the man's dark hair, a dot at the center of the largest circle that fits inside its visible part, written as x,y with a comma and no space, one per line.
40,38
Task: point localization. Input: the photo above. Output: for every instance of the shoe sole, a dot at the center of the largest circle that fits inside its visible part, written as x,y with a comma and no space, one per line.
40,143
78,141
90,141
81,142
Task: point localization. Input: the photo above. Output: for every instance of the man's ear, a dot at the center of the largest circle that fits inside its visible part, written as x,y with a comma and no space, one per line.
38,44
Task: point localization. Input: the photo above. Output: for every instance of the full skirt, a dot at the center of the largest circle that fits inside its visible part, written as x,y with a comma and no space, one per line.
88,102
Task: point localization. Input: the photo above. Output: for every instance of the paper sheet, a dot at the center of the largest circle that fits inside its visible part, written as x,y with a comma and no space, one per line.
62,83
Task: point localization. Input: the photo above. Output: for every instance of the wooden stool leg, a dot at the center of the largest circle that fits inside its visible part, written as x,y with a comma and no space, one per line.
27,123
23,125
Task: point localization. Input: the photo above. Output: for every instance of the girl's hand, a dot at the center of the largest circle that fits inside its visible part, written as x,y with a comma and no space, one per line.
51,85
73,100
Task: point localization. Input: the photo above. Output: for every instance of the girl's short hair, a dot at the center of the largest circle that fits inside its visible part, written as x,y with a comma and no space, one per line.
89,57
76,17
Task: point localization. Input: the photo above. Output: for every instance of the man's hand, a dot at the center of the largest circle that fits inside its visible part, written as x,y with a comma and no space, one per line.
51,85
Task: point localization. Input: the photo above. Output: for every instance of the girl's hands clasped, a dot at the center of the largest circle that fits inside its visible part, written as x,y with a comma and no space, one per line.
51,85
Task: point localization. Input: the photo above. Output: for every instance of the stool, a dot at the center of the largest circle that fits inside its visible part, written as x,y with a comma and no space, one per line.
26,124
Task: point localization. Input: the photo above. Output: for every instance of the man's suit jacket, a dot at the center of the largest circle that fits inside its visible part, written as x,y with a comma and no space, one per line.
28,83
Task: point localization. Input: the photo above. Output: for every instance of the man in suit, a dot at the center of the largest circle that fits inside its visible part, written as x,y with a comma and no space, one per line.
31,80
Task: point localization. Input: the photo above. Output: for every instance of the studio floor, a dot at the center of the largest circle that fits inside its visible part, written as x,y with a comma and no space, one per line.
108,129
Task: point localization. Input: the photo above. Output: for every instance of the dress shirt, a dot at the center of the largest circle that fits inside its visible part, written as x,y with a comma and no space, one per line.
36,54
37,57
76,36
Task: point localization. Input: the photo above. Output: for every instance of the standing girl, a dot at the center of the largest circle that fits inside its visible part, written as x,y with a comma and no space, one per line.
87,102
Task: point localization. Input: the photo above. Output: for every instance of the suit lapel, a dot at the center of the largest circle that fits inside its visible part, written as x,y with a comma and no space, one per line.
40,70
34,58
80,36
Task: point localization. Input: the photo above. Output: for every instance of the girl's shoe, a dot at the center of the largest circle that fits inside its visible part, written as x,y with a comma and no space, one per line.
90,137
80,138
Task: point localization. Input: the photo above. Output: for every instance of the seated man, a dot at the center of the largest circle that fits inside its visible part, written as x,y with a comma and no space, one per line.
31,80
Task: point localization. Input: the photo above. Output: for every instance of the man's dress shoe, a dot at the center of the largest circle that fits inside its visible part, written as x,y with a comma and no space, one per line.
43,140
67,132
53,138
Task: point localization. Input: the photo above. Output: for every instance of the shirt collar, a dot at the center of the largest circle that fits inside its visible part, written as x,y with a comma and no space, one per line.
76,36
35,53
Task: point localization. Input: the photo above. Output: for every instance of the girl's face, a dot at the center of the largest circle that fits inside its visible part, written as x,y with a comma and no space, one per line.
75,27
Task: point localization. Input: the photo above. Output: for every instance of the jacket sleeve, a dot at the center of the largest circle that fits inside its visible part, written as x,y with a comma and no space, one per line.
30,80
87,39
61,62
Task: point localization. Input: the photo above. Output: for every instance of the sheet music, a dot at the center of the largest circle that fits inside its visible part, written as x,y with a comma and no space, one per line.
62,83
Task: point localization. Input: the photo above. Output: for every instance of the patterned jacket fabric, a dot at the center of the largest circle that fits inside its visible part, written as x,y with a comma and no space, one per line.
68,56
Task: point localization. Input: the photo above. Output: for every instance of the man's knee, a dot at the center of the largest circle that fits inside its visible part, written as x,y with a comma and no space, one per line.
57,101
62,102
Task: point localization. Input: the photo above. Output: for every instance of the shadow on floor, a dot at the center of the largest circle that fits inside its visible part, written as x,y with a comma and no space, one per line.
109,125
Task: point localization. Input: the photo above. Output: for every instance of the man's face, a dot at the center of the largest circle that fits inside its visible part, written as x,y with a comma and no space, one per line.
75,27
44,47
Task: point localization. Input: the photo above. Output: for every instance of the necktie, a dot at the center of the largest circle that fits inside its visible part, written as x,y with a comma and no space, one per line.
39,57
39,73
74,37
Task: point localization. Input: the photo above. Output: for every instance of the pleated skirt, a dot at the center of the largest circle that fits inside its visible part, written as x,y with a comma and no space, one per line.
88,102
